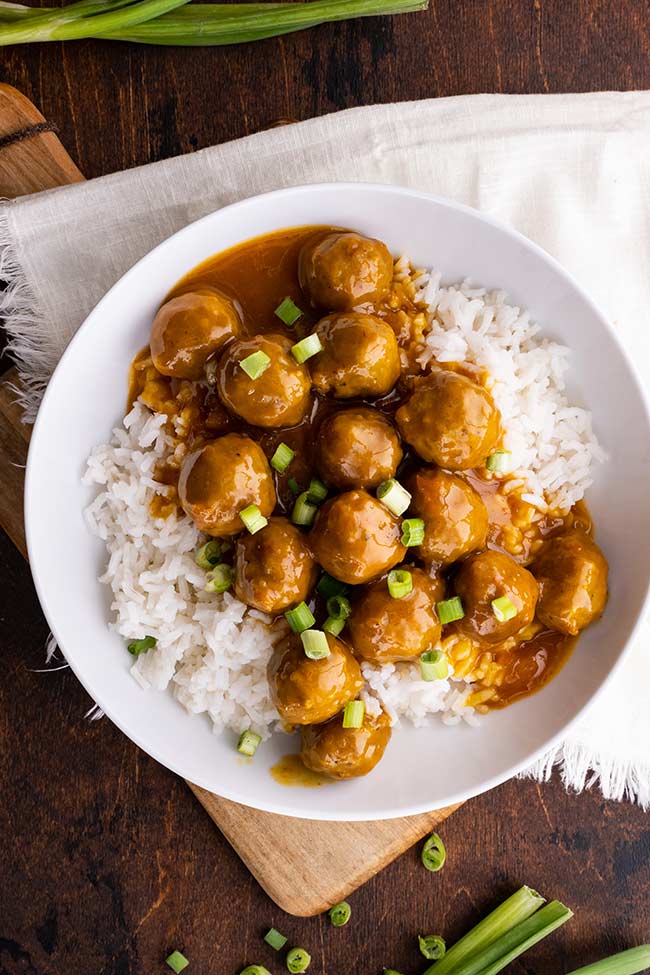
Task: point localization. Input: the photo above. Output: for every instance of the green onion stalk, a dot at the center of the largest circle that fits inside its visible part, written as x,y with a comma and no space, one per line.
629,962
175,22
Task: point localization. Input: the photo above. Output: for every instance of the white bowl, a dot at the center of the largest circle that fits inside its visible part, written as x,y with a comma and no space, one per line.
423,769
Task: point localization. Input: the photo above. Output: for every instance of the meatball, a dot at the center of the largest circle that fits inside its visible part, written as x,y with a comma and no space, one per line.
489,576
342,270
572,575
190,328
450,421
357,449
383,629
345,753
220,479
274,568
355,538
360,356
279,397
455,518
309,691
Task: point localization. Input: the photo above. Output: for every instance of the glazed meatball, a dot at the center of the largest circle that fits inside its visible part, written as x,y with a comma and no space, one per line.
357,449
342,270
190,328
309,691
489,576
220,479
279,397
360,356
355,538
455,518
345,753
450,421
274,568
572,575
383,629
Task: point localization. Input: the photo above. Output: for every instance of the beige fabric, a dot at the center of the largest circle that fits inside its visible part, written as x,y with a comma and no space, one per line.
570,171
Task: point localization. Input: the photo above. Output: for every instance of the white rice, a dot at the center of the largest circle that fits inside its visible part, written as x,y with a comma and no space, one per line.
212,650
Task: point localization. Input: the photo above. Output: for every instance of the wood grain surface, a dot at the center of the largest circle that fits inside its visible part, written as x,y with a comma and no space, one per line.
106,859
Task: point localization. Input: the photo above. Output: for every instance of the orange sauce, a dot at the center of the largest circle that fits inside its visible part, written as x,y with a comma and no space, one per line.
290,771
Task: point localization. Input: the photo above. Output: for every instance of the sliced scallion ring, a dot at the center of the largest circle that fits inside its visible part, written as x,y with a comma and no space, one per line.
298,960
333,625
255,364
450,610
248,743
304,511
339,607
300,618
412,532
288,312
282,457
432,946
340,914
317,491
499,462
315,644
353,714
433,854
434,665
255,970
394,496
209,554
306,348
275,939
329,586
220,578
176,961
400,583
136,647
253,518
504,609
294,487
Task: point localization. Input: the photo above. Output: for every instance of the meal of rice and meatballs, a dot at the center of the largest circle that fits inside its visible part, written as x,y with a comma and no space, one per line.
345,495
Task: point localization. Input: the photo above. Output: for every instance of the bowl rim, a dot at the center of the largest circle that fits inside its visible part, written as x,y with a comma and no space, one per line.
31,490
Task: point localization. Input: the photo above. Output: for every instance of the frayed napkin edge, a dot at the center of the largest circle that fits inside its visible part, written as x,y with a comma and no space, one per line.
580,770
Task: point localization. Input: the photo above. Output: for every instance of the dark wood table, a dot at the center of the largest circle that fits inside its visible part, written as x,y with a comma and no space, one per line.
106,859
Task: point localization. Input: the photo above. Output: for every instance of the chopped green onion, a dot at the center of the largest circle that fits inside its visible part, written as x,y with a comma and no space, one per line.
353,714
432,946
498,462
503,609
339,607
315,644
248,743
434,665
220,578
391,971
340,914
412,532
433,853
300,618
255,364
253,518
136,647
298,960
282,458
511,912
176,961
209,554
294,487
275,939
333,625
329,586
306,348
450,610
317,491
288,312
629,962
400,583
304,511
255,970
394,496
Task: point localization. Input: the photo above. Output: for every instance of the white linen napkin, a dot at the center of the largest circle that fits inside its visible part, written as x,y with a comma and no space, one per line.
570,171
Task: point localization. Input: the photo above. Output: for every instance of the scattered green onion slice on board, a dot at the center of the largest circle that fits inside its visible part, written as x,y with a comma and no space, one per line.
298,960
315,644
400,583
391,971
176,961
434,665
255,364
629,962
255,970
300,618
333,625
339,607
306,348
136,647
329,586
499,462
282,457
316,491
412,532
248,743
450,610
394,496
220,578
304,511
294,487
275,939
288,312
432,946
433,853
340,914
208,555
353,714
503,609
253,518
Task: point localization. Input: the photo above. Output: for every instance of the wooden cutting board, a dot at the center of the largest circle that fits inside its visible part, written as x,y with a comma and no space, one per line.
304,866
